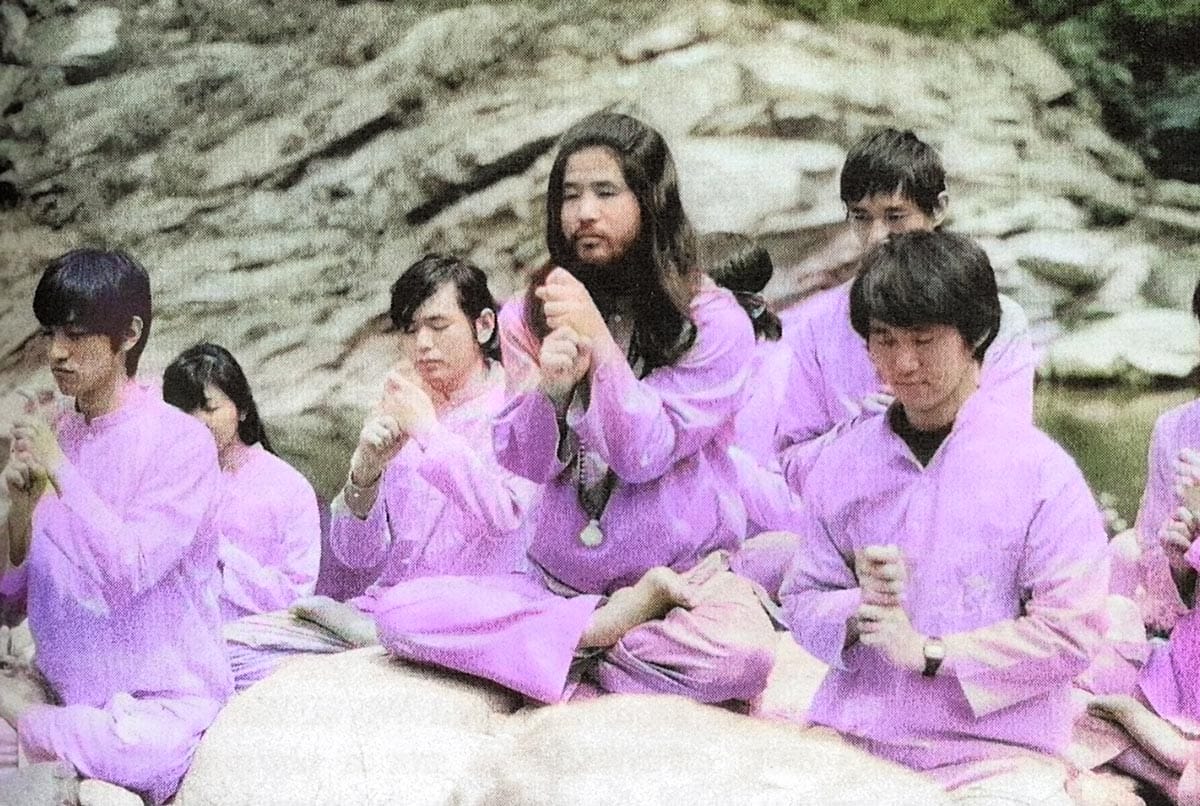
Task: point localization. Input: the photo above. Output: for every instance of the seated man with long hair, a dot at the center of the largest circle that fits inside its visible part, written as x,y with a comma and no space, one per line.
626,368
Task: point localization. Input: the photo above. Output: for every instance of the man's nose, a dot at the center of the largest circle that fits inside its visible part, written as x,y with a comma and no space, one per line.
58,346
877,233
424,338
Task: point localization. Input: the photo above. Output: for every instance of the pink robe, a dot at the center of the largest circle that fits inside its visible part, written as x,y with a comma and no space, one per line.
121,588
445,505
833,374
1007,563
1170,680
666,437
1153,587
270,534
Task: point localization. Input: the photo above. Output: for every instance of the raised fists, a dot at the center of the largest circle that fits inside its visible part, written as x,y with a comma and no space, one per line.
881,620
405,408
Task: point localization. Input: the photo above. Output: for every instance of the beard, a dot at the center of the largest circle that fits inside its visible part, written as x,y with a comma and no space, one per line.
611,285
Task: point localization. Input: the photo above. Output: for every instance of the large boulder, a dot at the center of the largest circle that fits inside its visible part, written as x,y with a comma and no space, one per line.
356,727
629,750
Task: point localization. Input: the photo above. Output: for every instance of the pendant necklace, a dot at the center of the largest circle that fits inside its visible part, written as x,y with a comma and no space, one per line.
592,498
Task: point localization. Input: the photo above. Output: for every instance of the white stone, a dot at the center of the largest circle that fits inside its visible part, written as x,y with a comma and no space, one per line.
1075,259
1135,345
731,183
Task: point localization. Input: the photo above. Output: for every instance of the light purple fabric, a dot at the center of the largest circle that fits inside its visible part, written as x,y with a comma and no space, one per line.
514,631
666,437
445,506
122,590
770,503
1007,563
1157,594
270,535
833,373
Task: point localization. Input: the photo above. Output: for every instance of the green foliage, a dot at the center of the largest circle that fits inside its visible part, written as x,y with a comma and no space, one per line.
941,17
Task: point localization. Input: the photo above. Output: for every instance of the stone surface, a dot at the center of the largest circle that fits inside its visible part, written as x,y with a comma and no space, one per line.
354,727
628,749
276,171
1136,346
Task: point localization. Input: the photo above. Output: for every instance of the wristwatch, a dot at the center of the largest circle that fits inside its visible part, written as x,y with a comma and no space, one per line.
935,653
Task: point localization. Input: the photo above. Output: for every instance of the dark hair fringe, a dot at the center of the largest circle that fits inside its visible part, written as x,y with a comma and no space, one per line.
99,291
184,380
928,278
661,298
891,161
423,278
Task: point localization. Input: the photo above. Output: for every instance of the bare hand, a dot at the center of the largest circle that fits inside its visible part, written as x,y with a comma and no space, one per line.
379,441
882,575
34,441
567,303
1176,537
1187,478
564,360
889,630
408,401
26,482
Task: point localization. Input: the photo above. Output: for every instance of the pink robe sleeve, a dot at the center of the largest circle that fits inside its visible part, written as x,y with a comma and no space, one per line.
1010,363
483,491
525,433
1064,573
120,555
643,428
820,593
258,588
360,543
1158,596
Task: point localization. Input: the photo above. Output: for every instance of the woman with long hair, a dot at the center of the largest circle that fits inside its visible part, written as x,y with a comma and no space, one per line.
267,519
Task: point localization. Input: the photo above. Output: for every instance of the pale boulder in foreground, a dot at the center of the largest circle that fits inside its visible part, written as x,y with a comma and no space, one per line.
358,727
355,727
629,750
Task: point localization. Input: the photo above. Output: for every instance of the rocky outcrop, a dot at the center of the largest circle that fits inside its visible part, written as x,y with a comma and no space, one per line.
276,165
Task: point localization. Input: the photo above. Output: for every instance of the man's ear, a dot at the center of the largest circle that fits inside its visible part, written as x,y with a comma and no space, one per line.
485,325
132,334
939,208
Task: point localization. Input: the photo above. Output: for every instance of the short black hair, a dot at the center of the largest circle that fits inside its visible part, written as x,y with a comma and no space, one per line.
1196,301
744,266
422,279
891,161
928,278
99,291
196,367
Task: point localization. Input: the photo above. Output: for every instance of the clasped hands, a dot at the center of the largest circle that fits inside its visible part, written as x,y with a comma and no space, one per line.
881,620
406,408
1178,533
34,456
577,334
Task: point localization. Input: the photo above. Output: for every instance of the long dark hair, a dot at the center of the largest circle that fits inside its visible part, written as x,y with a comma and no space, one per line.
196,367
665,276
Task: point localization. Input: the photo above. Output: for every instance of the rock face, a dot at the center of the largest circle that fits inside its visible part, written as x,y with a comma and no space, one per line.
276,165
